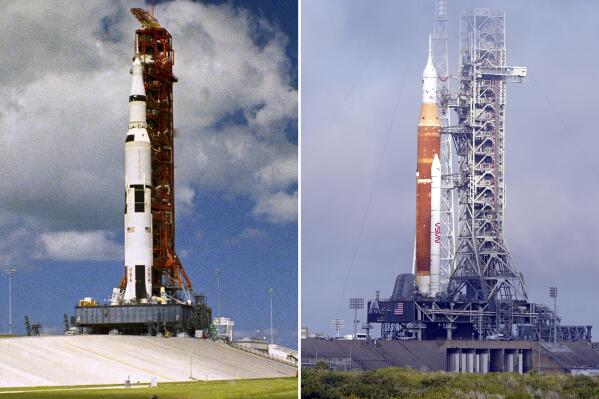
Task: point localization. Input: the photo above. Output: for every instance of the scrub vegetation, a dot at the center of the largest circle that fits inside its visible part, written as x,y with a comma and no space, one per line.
321,383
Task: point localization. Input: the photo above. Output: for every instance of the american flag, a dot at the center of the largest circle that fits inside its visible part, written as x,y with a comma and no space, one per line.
398,311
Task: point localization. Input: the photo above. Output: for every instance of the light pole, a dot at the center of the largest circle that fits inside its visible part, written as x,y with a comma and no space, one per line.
271,336
217,292
553,294
350,358
355,304
9,272
539,345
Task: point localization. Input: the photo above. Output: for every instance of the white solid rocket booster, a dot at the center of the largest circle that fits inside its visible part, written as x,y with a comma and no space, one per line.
435,224
138,195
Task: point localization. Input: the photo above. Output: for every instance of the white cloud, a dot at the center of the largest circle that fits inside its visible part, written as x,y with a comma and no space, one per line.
250,234
279,173
236,103
79,246
15,248
238,162
184,200
280,207
183,253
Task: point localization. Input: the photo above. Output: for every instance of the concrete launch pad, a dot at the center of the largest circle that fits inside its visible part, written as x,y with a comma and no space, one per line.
104,359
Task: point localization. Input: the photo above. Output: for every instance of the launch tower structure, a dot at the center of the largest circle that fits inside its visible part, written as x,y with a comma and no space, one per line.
153,43
441,64
485,298
171,307
484,271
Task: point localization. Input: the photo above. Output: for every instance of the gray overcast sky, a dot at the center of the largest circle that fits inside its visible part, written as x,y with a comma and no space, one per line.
361,68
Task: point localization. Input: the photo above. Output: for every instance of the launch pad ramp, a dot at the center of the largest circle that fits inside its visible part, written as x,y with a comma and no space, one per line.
105,359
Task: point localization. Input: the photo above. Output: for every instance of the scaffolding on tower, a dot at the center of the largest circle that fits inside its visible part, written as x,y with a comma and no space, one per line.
484,271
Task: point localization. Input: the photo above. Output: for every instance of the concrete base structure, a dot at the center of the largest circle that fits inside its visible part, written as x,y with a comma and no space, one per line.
460,356
104,359
135,319
484,360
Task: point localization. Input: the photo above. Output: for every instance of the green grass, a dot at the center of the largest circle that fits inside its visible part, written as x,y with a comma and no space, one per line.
274,388
408,384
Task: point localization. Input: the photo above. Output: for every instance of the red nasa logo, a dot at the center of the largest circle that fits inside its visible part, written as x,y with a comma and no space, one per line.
437,233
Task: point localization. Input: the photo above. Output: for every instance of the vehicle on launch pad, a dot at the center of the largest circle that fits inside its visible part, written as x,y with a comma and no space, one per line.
482,296
155,295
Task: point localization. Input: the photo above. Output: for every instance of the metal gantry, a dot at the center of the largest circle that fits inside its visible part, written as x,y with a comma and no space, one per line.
486,297
484,270
440,61
154,45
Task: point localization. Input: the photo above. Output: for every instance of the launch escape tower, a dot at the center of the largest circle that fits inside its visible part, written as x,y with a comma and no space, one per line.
484,296
172,307
153,43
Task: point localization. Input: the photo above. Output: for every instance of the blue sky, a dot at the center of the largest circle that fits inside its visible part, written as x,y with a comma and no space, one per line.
236,155
361,77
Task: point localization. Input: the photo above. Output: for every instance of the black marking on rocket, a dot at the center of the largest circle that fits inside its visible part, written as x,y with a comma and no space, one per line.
140,281
140,195
137,97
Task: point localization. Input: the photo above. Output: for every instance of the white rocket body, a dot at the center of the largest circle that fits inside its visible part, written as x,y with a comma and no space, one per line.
435,225
138,195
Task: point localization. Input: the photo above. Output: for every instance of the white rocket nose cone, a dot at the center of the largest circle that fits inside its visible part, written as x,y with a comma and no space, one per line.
429,78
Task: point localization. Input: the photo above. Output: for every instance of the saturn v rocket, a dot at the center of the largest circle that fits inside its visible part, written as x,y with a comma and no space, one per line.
138,195
428,186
